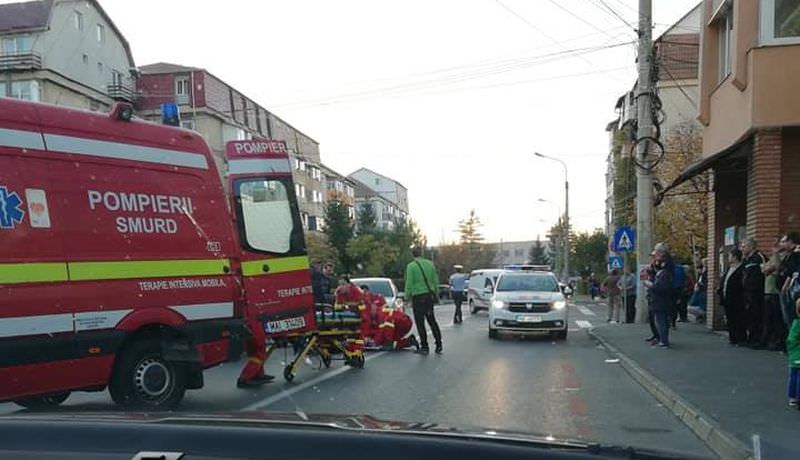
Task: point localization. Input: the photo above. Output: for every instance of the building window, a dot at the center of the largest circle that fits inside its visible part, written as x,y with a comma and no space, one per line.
724,27
351,212
780,21
85,59
77,20
187,124
99,67
351,191
312,223
300,191
16,45
116,78
25,90
100,32
182,89
377,181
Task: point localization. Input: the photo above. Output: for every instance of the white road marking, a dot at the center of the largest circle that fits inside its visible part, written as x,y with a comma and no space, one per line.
583,324
585,310
305,385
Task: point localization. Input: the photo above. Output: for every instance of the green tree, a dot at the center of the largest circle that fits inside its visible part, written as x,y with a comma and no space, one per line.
403,236
319,249
588,252
339,230
371,256
538,254
366,222
476,253
469,230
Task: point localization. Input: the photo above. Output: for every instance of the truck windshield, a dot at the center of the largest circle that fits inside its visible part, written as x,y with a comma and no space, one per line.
266,215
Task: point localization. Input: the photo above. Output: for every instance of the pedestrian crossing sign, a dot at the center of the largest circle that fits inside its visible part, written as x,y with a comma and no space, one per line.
615,262
624,239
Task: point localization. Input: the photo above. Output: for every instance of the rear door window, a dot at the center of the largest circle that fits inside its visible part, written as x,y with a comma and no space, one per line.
267,220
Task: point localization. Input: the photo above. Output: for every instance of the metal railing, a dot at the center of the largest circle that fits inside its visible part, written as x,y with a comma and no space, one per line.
121,92
20,61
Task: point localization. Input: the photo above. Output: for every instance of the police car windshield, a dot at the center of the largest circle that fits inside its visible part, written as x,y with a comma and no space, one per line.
527,282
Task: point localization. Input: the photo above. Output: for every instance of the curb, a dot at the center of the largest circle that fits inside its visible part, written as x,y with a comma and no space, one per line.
724,444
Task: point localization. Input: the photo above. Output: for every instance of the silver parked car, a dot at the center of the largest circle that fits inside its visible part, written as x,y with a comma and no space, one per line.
384,287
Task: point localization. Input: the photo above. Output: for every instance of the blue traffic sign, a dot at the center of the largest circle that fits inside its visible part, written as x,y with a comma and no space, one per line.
615,262
624,239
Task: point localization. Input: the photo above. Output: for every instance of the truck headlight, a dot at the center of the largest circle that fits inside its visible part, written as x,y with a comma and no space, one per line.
498,304
559,305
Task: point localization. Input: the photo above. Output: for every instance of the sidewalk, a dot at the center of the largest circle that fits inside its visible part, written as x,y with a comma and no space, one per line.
713,387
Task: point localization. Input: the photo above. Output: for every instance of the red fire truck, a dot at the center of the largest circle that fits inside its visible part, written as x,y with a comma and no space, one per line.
127,262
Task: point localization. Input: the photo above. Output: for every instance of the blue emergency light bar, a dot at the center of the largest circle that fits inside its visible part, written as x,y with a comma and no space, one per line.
170,115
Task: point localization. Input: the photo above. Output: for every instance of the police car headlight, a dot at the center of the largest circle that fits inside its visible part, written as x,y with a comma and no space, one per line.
499,304
559,305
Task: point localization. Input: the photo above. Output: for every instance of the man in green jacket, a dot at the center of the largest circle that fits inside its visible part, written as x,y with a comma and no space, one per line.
793,352
421,284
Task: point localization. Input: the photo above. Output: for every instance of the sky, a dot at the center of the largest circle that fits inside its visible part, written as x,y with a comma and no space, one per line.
449,97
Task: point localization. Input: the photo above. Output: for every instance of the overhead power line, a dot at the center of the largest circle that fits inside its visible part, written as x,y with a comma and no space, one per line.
453,78
593,26
616,14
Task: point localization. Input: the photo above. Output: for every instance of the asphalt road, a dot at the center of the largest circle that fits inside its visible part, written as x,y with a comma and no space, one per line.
535,385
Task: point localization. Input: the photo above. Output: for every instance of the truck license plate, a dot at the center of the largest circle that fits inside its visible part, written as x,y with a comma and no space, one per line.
529,319
282,325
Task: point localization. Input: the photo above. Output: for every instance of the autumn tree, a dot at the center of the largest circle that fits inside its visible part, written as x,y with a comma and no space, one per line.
681,217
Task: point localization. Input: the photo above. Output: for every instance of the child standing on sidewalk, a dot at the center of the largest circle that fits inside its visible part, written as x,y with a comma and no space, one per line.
793,350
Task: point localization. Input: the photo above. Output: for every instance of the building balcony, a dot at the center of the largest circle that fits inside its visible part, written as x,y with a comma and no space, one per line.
20,61
121,92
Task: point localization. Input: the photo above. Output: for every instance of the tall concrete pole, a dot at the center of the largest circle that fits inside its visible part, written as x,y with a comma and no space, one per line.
644,181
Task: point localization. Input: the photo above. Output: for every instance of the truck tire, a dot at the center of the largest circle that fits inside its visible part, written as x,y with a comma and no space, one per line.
43,402
142,378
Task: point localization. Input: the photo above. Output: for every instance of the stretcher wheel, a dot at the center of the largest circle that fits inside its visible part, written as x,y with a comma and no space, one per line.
357,361
326,359
287,373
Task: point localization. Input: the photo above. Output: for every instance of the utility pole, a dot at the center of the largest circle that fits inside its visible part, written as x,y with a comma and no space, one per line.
644,181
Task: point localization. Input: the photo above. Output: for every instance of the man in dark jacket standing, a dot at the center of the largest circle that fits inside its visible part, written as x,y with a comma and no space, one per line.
731,292
661,293
753,284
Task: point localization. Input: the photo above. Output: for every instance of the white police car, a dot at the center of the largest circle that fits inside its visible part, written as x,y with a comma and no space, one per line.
526,302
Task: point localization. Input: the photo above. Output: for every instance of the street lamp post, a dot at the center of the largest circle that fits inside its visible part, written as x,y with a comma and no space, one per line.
566,212
559,237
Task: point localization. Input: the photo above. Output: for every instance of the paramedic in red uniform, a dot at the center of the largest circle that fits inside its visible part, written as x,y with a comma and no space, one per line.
389,325
256,347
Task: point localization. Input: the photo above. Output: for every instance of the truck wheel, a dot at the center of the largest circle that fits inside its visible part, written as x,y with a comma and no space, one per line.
493,334
472,308
142,378
43,402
